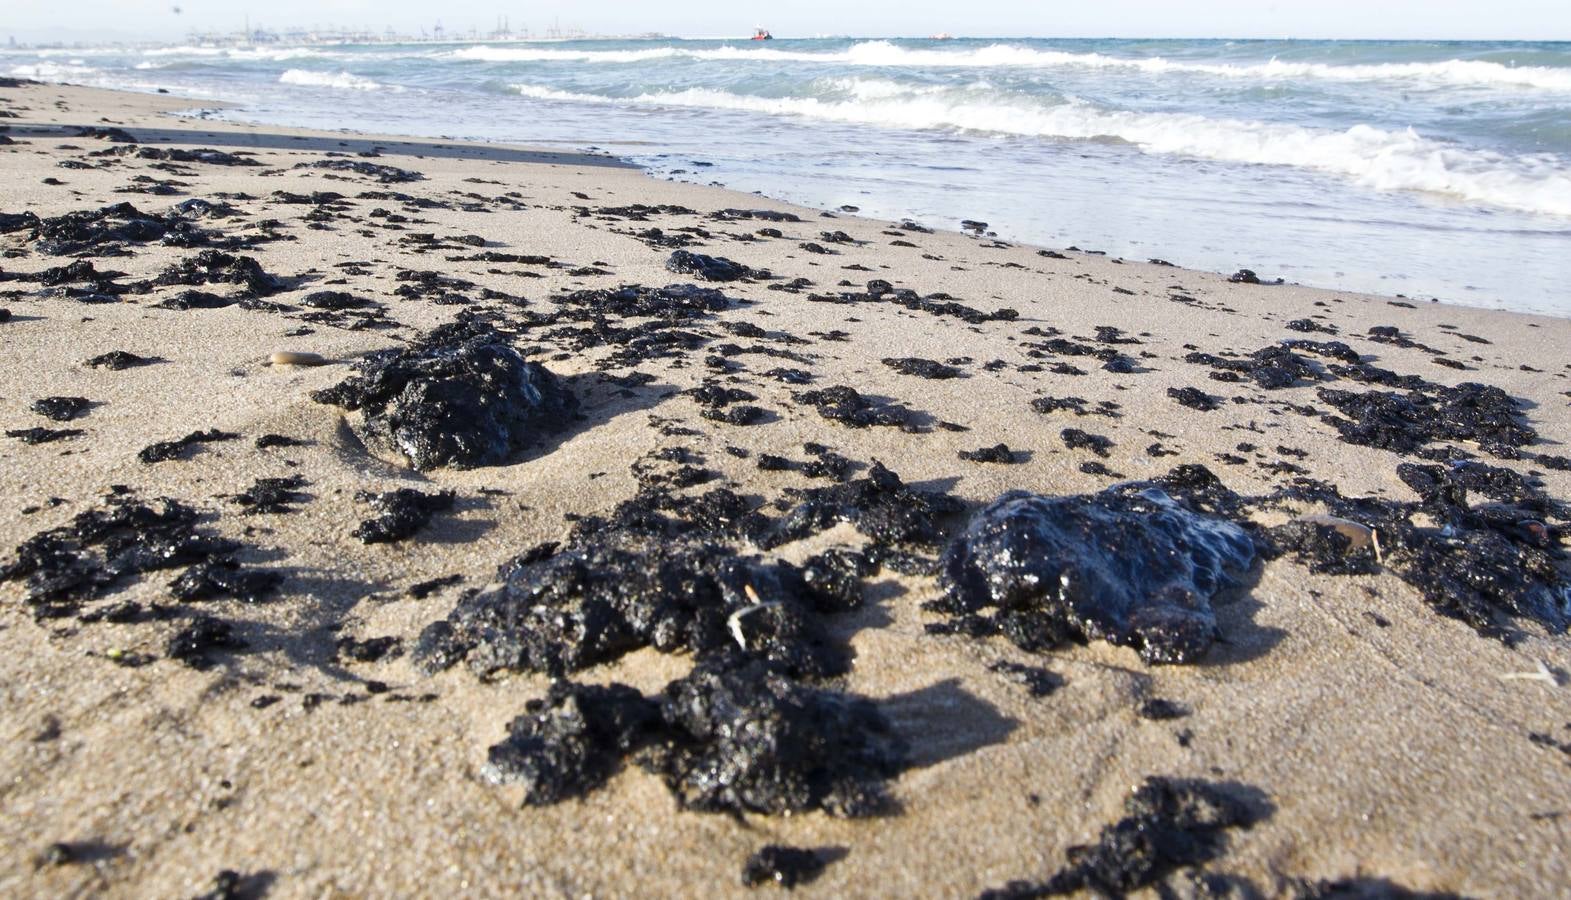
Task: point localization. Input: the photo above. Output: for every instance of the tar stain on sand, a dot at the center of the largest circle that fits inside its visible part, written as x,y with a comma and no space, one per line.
1168,824
783,866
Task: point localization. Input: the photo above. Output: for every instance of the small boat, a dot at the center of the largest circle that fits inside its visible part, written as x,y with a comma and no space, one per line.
762,34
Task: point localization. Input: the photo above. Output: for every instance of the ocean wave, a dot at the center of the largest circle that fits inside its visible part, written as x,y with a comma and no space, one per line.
340,80
1454,72
272,54
531,54
1376,158
488,53
1449,73
47,71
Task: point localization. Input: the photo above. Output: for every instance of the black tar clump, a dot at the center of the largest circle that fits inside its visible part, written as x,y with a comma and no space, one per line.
272,495
744,737
735,735
115,225
196,643
843,404
782,866
613,594
1130,565
212,579
100,547
922,368
118,360
707,268
1361,888
218,267
400,513
1271,367
662,571
164,451
1168,824
1408,423
61,409
998,453
382,173
1485,563
38,435
573,740
461,396
880,506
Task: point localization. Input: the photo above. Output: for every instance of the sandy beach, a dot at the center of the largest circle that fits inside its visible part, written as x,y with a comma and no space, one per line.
1370,742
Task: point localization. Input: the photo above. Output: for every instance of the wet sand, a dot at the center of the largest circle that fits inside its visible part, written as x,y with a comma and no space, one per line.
1374,738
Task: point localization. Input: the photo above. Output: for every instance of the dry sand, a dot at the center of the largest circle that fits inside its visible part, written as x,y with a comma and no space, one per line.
1392,751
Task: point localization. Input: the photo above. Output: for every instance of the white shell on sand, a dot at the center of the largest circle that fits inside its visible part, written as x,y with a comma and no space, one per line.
297,358
1360,536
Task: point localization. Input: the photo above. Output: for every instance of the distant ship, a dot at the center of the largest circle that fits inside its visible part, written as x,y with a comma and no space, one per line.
762,34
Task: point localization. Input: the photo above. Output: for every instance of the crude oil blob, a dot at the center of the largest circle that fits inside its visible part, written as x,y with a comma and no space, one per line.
707,268
735,735
572,741
744,737
1130,565
461,396
594,602
400,513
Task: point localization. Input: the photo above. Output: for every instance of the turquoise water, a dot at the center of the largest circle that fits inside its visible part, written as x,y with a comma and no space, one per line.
1430,169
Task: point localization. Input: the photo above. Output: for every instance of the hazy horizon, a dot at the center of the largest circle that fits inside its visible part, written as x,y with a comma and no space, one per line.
35,21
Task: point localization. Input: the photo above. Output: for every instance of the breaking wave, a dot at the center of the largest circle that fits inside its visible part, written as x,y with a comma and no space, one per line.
339,80
1376,158
276,54
56,72
1451,73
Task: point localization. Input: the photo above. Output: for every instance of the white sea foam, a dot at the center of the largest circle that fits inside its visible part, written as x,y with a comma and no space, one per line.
1453,73
56,72
1376,158
540,54
275,54
487,53
1448,72
340,80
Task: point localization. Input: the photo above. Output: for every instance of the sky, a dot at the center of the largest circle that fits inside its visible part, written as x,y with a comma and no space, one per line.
38,20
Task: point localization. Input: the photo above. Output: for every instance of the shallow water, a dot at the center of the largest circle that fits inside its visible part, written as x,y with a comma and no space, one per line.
1429,169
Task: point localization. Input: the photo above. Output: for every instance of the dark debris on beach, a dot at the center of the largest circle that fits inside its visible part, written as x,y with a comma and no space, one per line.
690,565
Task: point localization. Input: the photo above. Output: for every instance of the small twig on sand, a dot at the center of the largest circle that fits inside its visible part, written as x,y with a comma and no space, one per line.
734,621
1542,674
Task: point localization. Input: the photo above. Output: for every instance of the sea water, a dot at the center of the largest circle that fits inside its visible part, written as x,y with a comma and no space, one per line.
1426,169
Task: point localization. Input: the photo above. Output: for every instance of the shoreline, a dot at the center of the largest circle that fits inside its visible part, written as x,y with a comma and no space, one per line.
311,749
1491,303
